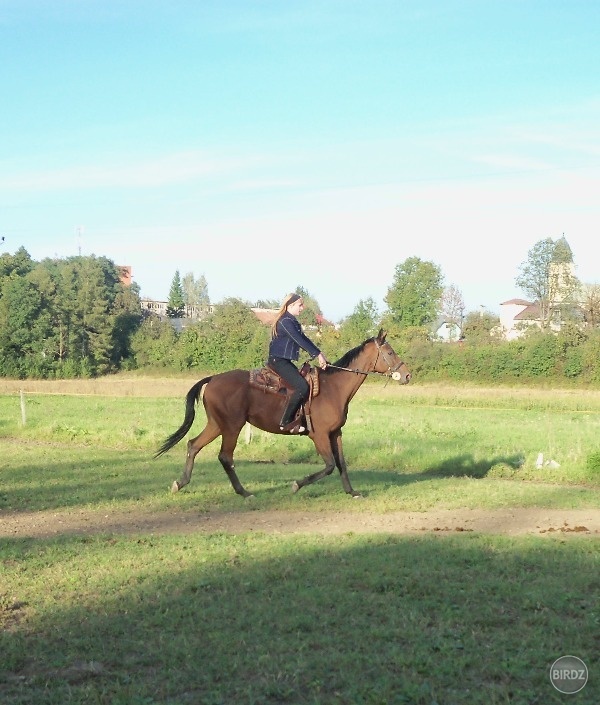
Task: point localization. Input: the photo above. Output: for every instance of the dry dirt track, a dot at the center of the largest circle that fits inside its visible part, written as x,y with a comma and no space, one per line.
584,522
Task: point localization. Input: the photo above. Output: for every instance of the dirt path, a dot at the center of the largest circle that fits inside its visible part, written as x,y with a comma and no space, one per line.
552,522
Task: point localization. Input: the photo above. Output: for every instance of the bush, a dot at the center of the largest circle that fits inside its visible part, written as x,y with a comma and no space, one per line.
593,462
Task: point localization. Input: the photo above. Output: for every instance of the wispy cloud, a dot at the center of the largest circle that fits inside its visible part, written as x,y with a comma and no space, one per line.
145,173
513,162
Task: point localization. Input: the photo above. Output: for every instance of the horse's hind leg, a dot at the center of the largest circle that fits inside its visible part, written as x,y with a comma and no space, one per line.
194,446
228,445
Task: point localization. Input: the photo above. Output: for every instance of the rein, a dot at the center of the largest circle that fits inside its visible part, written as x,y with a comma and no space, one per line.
391,371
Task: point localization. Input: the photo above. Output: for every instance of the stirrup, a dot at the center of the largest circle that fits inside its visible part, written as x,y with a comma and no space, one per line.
294,427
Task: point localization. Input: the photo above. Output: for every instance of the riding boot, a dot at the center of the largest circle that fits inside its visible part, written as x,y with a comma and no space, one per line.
288,421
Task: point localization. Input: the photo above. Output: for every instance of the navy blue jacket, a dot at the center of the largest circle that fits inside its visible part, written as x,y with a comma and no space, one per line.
289,339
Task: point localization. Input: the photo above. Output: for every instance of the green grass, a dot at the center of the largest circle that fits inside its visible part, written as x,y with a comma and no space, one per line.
205,619
403,452
264,619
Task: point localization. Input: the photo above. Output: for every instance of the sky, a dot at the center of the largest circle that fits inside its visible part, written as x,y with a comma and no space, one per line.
271,144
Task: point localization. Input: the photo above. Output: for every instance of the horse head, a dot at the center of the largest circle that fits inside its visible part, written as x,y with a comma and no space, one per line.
387,361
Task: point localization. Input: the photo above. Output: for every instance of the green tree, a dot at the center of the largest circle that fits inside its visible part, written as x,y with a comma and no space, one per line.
547,277
195,291
20,306
311,315
98,288
361,324
153,343
591,304
481,327
18,264
413,299
128,318
453,306
267,303
236,332
176,303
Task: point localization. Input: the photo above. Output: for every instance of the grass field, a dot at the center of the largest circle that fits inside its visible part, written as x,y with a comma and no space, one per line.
142,618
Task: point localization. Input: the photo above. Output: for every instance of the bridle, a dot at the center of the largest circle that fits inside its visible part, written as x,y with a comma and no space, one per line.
390,372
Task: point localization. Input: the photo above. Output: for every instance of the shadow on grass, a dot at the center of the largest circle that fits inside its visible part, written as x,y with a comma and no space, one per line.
256,619
59,478
54,478
467,466
71,479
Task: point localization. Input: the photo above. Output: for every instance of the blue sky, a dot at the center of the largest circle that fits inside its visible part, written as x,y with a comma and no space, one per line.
269,144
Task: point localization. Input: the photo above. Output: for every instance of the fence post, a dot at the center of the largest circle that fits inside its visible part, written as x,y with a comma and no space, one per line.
23,410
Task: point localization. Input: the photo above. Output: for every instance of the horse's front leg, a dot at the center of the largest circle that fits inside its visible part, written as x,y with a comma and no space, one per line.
324,449
340,461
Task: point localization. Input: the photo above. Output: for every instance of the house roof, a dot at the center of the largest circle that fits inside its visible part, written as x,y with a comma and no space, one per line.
530,313
516,302
265,315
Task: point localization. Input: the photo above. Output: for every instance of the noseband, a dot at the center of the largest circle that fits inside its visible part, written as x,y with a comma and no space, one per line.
391,371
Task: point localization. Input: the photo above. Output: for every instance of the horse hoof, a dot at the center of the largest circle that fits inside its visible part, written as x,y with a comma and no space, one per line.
357,495
295,486
249,496
175,487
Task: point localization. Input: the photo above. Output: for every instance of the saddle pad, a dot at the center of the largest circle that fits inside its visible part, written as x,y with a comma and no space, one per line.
267,381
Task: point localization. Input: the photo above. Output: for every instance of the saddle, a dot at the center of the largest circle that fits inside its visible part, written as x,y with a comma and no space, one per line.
268,381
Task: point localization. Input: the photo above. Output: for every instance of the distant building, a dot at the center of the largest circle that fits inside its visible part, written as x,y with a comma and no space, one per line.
518,315
159,308
445,330
267,316
192,313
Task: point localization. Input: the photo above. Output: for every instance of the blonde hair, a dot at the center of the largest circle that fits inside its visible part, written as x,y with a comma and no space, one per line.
289,299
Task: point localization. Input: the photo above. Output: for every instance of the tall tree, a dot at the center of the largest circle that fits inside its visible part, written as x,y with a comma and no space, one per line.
547,277
18,264
176,303
128,318
267,303
453,305
590,301
195,291
233,334
99,284
360,324
312,314
20,306
413,299
481,327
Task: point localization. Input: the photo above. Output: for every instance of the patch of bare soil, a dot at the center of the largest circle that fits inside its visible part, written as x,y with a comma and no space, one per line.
548,522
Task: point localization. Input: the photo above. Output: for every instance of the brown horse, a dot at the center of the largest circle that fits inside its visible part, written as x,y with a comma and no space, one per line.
230,402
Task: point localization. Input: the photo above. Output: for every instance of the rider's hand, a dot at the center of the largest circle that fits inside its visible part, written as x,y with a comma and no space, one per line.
322,361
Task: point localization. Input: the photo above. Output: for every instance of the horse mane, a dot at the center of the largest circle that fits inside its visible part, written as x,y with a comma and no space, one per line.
351,355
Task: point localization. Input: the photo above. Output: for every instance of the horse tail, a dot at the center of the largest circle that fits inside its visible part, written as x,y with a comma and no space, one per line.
191,400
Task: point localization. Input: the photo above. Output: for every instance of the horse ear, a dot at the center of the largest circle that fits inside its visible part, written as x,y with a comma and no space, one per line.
381,335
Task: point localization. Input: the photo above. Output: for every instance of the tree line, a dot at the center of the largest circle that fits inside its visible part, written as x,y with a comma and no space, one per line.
72,317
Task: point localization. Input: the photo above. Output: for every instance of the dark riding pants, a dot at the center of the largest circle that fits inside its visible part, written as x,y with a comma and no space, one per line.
289,372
